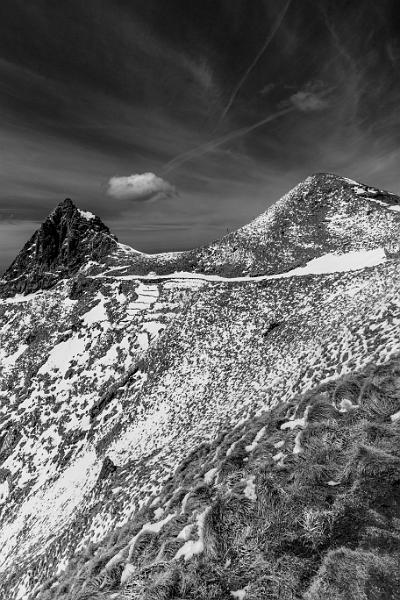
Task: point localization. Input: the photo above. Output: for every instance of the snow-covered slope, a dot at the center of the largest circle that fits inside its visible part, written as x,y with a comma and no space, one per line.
111,378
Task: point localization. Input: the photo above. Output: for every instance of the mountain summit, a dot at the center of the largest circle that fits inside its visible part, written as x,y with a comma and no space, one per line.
324,213
67,239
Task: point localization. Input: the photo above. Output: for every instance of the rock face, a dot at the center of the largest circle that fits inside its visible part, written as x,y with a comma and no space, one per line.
68,239
110,380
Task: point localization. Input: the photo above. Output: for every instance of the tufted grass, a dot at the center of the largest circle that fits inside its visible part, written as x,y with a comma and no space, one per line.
324,523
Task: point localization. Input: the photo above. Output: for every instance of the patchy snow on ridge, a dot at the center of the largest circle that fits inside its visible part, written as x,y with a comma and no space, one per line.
339,263
251,447
323,265
86,214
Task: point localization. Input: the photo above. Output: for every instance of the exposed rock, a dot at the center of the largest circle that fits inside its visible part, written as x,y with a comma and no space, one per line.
107,469
68,239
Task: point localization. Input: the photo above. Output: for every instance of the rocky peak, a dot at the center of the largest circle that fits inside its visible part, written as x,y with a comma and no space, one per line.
67,239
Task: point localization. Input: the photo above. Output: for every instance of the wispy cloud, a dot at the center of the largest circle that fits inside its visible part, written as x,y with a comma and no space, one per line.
220,141
256,59
147,98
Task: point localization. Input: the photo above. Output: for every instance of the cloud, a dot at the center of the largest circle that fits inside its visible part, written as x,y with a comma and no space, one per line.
140,187
308,101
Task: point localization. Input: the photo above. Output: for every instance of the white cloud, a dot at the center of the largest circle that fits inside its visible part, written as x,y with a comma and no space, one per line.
139,187
308,101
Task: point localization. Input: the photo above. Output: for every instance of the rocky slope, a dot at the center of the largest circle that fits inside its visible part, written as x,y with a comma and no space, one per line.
66,241
110,380
325,213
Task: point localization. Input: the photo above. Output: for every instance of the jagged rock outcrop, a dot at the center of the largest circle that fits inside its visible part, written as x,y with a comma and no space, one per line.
68,239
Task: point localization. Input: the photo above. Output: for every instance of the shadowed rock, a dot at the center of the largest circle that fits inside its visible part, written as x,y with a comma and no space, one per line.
67,240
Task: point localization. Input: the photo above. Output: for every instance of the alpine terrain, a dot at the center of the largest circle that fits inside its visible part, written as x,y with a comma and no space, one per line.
211,424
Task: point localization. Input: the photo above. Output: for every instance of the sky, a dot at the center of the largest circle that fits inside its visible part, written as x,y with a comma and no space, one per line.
177,121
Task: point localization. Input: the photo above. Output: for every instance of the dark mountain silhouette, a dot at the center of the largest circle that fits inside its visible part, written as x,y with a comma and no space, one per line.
67,240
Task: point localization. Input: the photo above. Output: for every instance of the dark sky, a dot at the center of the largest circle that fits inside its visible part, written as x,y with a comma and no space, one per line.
227,103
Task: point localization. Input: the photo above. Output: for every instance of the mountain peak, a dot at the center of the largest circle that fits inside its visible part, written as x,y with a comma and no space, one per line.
66,203
65,241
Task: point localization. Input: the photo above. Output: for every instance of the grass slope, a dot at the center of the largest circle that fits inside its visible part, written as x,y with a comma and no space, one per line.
300,502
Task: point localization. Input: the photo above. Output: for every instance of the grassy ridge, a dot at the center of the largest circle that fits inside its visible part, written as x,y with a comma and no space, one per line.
300,502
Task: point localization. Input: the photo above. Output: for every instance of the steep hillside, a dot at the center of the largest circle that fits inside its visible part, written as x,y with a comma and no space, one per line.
281,505
110,380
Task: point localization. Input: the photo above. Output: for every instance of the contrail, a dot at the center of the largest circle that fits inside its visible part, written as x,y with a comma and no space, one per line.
204,148
267,42
340,47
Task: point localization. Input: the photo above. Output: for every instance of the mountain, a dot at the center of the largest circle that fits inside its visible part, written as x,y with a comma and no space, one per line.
183,433
65,242
321,215
324,214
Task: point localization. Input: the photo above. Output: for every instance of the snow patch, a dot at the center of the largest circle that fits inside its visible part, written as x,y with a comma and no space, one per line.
278,456
250,489
191,547
395,416
210,475
184,502
339,263
293,423
239,594
185,533
4,491
97,313
8,361
346,405
127,573
323,265
149,528
86,214
254,444
279,444
158,513
297,443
